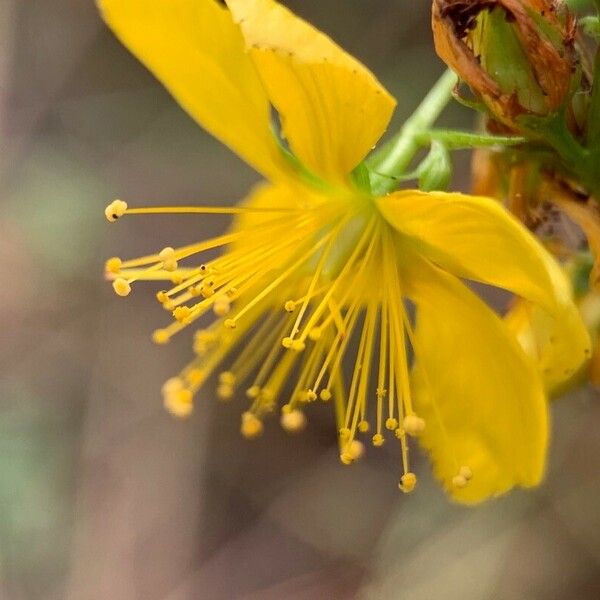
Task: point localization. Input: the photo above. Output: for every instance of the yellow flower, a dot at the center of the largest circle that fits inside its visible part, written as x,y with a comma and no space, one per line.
317,273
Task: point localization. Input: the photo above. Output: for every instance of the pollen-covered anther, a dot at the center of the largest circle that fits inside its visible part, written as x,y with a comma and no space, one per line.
459,481
413,425
230,324
225,391
325,395
162,296
222,306
289,306
391,423
293,421
352,452
179,402
113,265
115,210
195,376
378,440
174,384
297,345
167,256
311,396
121,286
251,426
227,377
160,336
181,313
287,342
344,433
253,391
315,333
408,482
465,472
363,426
206,291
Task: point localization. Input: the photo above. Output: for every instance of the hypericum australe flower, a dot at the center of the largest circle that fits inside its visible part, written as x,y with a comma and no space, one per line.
316,270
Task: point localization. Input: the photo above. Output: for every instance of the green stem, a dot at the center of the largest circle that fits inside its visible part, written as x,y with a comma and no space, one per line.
593,117
395,156
464,140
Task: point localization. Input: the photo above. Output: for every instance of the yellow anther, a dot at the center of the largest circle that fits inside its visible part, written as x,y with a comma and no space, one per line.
293,421
207,291
168,305
287,342
325,395
225,391
177,409
181,313
230,323
311,396
162,296
459,481
115,210
378,439
251,426
160,336
253,392
179,403
298,346
266,395
174,384
121,287
315,333
413,425
195,290
344,433
227,377
175,278
356,449
408,482
289,306
167,256
363,426
346,458
465,472
222,307
391,423
167,253
113,265
195,376
399,433
171,265
381,392
232,293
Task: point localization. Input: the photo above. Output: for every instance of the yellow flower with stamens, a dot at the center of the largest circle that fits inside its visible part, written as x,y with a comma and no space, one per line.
318,274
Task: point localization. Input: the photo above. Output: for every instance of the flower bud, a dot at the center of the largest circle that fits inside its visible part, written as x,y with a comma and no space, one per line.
517,56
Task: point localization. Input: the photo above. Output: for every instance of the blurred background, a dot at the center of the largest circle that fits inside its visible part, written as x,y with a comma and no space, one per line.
102,494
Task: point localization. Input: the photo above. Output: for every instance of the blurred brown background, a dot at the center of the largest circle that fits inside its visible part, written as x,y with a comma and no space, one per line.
102,494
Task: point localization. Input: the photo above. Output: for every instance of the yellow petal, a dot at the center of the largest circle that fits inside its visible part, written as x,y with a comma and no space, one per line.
481,396
332,108
476,238
197,52
560,346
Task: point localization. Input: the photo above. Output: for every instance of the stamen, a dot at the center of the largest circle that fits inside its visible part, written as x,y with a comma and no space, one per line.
121,287
115,210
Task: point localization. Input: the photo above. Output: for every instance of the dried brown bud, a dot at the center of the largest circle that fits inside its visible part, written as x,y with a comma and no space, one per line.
517,56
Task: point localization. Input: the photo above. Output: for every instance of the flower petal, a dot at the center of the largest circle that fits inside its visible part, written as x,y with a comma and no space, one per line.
481,396
333,110
476,238
195,49
560,346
